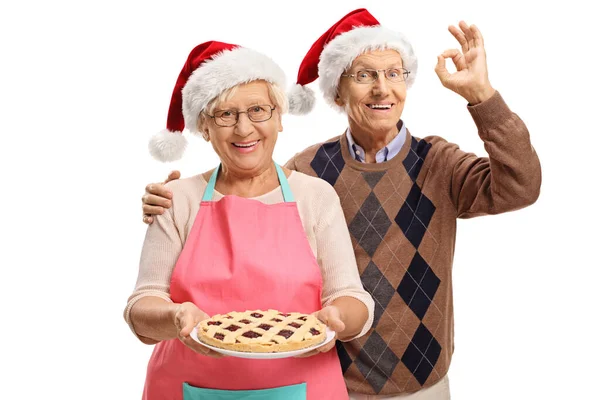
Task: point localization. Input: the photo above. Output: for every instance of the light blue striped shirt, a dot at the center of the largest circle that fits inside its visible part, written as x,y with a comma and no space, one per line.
385,154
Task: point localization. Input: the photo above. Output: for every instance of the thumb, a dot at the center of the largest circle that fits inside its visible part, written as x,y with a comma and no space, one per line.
332,319
186,323
441,70
174,175
336,324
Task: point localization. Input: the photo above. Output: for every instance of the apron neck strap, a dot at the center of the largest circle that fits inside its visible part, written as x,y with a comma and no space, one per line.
288,196
210,187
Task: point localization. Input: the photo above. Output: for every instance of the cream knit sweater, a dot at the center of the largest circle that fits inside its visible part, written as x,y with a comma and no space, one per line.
322,218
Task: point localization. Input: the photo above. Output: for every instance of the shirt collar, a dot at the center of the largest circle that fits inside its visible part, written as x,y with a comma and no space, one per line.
386,154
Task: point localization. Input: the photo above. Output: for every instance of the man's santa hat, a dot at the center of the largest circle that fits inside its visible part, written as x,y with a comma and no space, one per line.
211,68
333,53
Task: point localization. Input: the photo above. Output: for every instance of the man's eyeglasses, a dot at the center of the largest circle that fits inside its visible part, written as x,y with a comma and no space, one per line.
259,113
393,75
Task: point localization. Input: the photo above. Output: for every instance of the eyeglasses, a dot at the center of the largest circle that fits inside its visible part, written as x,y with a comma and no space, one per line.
394,75
259,113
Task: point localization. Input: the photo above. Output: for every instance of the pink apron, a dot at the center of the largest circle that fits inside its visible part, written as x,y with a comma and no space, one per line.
242,255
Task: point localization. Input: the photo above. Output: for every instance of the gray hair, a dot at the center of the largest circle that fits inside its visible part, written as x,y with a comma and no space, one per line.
276,94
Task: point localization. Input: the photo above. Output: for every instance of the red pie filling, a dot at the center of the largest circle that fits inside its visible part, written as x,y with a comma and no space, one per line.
251,334
232,328
286,333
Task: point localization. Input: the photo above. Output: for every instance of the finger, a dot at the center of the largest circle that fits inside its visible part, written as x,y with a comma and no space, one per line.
152,210
472,55
478,37
148,219
199,348
173,176
457,58
195,346
460,37
468,35
441,70
212,353
309,354
159,189
326,347
154,200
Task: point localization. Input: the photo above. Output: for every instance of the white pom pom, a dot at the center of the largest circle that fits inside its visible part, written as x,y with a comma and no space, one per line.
167,146
301,99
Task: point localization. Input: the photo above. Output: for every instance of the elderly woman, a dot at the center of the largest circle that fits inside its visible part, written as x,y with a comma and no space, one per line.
403,194
248,235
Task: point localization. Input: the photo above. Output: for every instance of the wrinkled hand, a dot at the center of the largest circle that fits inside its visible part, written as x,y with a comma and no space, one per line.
157,198
330,316
471,77
185,318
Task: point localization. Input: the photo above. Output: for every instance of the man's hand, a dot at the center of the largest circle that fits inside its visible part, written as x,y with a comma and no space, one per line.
471,77
157,198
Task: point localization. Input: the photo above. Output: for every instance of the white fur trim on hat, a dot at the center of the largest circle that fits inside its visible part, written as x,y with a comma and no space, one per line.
301,99
225,70
167,146
338,55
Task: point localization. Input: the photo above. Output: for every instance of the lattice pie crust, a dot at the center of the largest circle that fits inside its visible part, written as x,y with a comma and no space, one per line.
260,331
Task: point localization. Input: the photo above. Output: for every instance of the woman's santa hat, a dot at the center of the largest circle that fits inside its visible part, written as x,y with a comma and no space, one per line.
211,68
333,53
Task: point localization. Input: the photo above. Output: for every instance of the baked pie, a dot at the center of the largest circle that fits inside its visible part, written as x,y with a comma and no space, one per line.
262,331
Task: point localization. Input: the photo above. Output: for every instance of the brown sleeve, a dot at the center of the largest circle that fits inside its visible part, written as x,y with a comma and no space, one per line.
291,164
508,179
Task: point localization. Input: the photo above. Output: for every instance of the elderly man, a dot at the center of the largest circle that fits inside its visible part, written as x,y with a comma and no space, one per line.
401,194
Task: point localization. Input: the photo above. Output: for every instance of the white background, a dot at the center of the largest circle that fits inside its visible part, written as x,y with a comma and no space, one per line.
83,85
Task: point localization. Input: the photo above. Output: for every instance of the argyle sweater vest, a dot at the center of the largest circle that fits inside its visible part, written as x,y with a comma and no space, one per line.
401,215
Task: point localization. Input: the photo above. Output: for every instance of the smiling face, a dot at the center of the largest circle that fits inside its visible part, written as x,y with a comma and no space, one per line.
374,108
246,148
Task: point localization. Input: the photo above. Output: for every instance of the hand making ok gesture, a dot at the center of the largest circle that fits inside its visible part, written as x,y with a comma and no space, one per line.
471,77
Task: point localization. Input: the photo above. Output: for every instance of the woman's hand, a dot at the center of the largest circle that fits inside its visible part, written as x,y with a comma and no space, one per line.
157,198
185,318
471,77
330,316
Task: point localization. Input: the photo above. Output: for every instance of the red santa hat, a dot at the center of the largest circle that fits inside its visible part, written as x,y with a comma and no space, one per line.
210,69
333,53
